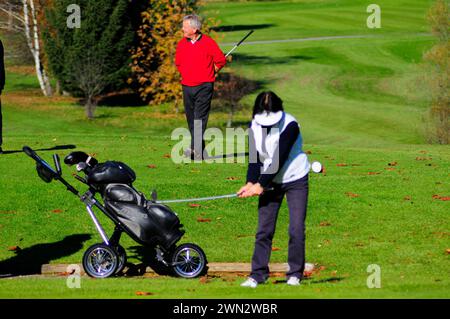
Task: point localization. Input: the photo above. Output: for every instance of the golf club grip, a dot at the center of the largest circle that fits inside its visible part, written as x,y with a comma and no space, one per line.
27,150
243,39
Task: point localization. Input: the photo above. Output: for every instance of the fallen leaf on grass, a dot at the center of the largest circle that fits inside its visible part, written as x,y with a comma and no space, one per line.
203,220
447,251
341,164
232,178
151,166
57,211
14,248
277,274
373,173
324,223
194,205
167,156
392,164
275,248
423,159
308,152
390,168
350,194
204,280
407,198
144,293
444,198
66,273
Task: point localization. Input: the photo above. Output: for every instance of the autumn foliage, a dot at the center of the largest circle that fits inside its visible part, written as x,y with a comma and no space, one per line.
438,59
154,74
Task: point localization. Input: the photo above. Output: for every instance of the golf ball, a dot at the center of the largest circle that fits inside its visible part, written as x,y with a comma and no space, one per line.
316,167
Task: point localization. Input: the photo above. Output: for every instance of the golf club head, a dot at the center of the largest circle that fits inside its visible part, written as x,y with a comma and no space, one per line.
75,158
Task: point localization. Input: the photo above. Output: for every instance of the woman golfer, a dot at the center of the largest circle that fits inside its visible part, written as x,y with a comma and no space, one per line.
277,166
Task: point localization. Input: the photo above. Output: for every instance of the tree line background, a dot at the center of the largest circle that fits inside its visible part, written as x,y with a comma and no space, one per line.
120,47
129,46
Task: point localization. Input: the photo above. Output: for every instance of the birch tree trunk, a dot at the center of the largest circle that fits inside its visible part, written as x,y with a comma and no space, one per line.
32,37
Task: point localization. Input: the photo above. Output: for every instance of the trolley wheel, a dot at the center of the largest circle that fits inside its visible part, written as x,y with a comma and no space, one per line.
189,261
100,261
122,259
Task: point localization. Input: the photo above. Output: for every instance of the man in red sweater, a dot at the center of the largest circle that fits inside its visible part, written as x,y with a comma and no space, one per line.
198,59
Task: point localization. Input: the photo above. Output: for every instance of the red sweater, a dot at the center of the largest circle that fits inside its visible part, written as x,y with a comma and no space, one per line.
196,61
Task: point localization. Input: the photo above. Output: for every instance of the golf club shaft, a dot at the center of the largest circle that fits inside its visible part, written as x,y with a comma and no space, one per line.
199,199
195,199
239,43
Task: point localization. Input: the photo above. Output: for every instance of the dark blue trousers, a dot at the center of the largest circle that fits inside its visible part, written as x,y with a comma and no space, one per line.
269,205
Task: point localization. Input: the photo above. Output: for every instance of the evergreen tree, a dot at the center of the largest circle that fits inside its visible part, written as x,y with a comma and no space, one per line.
93,59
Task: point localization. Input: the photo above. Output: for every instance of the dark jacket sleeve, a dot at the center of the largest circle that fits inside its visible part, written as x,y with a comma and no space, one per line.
2,68
287,140
254,164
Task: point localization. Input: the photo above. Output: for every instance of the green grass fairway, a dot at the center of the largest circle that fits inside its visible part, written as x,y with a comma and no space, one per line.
360,103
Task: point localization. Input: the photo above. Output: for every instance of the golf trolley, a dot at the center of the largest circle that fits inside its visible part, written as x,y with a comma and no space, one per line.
150,224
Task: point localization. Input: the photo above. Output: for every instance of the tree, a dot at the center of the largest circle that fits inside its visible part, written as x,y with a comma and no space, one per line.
26,13
230,89
438,59
93,59
153,70
11,10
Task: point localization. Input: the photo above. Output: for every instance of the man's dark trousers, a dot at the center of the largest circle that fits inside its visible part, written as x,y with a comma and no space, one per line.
197,104
269,205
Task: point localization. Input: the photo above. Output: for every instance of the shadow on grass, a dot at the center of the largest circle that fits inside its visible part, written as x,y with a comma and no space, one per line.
28,261
227,156
57,147
122,99
325,280
147,257
248,59
242,27
311,281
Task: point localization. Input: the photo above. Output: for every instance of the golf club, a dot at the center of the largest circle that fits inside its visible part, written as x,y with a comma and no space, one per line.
239,43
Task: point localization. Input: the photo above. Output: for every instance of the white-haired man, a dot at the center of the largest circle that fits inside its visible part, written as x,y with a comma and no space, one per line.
198,59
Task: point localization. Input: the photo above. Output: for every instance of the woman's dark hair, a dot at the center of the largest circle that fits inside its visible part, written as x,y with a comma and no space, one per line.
267,102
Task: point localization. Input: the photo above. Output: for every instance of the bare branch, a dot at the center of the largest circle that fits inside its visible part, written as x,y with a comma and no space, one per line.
17,17
6,26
